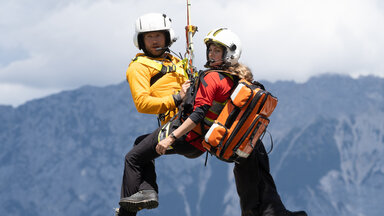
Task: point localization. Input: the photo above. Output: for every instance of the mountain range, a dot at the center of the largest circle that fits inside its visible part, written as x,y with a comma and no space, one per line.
64,154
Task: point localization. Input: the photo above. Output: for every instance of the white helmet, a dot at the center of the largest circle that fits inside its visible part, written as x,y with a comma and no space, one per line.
229,40
153,22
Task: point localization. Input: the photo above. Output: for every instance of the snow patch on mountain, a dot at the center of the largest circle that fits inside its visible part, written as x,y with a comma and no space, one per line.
356,188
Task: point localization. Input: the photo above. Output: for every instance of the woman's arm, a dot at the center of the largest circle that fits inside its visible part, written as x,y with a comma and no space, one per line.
204,97
184,128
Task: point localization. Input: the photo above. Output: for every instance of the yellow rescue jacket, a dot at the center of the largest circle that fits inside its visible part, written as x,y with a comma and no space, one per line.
156,98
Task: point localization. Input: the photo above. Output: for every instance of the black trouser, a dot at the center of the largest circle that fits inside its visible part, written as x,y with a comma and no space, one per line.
255,185
139,170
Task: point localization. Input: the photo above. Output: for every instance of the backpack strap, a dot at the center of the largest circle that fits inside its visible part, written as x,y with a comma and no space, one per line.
159,66
189,101
216,106
259,85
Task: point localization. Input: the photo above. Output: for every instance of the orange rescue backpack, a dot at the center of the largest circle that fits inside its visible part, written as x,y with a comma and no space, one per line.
241,123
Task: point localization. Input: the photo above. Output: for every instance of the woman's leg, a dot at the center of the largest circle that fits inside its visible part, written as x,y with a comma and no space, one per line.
255,185
271,200
247,177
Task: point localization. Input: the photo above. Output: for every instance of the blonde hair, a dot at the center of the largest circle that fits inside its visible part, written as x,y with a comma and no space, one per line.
241,71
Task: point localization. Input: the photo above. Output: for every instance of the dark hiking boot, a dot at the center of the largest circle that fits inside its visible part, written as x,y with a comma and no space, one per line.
285,213
296,213
122,212
145,199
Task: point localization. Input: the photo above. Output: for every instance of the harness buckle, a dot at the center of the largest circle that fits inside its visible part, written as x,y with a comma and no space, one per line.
161,116
164,69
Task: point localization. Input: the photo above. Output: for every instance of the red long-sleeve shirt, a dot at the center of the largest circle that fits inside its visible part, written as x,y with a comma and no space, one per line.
215,86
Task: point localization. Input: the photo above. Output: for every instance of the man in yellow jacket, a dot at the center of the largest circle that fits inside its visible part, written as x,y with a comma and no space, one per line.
155,77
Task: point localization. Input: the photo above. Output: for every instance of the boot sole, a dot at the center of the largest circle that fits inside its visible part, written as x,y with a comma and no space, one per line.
137,206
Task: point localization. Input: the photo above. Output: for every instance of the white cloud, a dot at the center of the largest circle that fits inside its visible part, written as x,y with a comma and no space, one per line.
48,45
19,94
78,44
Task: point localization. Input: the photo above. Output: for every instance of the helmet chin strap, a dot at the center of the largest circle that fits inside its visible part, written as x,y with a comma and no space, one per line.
224,65
207,65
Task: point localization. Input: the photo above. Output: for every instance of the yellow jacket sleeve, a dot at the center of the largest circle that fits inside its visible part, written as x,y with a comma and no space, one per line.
155,99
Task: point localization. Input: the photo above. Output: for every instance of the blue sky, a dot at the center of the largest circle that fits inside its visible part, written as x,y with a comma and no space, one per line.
48,46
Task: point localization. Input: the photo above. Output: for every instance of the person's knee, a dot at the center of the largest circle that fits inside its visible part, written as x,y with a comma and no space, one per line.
193,155
130,158
139,139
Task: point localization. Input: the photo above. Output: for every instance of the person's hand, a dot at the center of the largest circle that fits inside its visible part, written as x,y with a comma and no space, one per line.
184,88
163,145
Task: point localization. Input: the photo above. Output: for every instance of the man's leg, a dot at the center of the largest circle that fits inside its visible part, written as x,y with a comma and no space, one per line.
139,187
